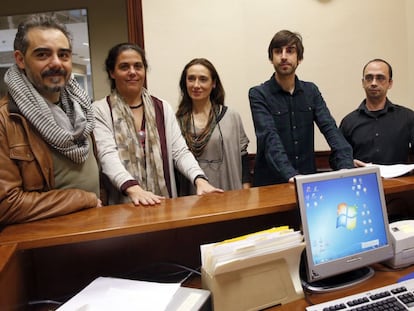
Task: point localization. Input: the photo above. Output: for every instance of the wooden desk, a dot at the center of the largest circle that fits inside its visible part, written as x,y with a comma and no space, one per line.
398,185
61,255
126,219
36,257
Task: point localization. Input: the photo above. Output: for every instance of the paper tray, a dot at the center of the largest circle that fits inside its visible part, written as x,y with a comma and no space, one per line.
255,287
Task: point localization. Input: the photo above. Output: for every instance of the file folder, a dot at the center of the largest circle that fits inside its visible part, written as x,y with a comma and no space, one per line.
258,282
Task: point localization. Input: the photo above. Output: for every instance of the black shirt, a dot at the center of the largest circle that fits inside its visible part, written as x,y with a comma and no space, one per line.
381,137
284,126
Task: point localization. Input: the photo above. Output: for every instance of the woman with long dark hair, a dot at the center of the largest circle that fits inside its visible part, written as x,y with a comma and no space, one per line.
213,132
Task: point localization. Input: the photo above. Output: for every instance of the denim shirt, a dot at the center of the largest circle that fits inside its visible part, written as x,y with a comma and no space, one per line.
284,126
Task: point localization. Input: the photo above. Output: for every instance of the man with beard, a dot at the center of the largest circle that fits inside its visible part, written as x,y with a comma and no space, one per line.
48,167
284,111
378,130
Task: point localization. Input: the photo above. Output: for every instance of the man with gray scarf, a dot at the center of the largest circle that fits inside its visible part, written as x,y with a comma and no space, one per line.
48,167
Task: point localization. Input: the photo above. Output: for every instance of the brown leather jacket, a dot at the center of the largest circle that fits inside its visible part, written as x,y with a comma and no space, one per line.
26,174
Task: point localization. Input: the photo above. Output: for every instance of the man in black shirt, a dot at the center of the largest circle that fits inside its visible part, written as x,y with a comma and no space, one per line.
284,111
379,131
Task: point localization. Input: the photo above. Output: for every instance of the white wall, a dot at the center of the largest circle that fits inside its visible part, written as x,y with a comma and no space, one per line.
340,36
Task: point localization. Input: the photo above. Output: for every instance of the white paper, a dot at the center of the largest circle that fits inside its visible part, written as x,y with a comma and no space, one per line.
215,256
395,170
108,294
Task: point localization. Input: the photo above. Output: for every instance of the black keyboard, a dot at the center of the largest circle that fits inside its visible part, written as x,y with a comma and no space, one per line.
395,297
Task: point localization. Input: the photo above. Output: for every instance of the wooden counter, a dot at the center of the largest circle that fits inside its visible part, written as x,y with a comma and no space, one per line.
126,219
35,257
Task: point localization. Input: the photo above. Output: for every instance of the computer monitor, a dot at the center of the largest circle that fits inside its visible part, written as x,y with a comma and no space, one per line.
345,226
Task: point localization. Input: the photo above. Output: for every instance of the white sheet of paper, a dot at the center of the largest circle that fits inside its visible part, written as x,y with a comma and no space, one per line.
395,170
105,294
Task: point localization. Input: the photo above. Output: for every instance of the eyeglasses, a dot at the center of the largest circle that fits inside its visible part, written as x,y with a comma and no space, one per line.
378,78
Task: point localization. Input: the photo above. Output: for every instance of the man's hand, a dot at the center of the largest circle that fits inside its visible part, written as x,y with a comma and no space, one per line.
292,179
359,163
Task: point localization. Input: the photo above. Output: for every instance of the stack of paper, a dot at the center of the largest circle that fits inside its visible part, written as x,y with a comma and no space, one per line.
225,256
107,294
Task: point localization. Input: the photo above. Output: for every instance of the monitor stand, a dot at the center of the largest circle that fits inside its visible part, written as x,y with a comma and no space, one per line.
336,282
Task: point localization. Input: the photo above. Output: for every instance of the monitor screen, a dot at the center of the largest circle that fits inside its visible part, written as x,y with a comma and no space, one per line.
344,221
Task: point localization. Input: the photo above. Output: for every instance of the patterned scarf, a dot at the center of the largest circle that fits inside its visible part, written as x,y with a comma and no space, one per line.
145,165
65,132
197,141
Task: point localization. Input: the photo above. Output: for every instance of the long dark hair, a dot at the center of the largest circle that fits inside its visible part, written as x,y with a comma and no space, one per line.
216,96
113,55
197,143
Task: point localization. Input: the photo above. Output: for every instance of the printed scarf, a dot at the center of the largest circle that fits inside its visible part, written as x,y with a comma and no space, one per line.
145,166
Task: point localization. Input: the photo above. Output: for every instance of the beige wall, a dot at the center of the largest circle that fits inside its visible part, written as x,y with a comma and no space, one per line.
410,42
107,26
339,37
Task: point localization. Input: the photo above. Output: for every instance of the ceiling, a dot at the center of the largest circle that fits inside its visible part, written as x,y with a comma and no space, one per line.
76,22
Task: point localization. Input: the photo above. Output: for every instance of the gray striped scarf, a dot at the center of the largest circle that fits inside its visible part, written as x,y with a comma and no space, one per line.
72,143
